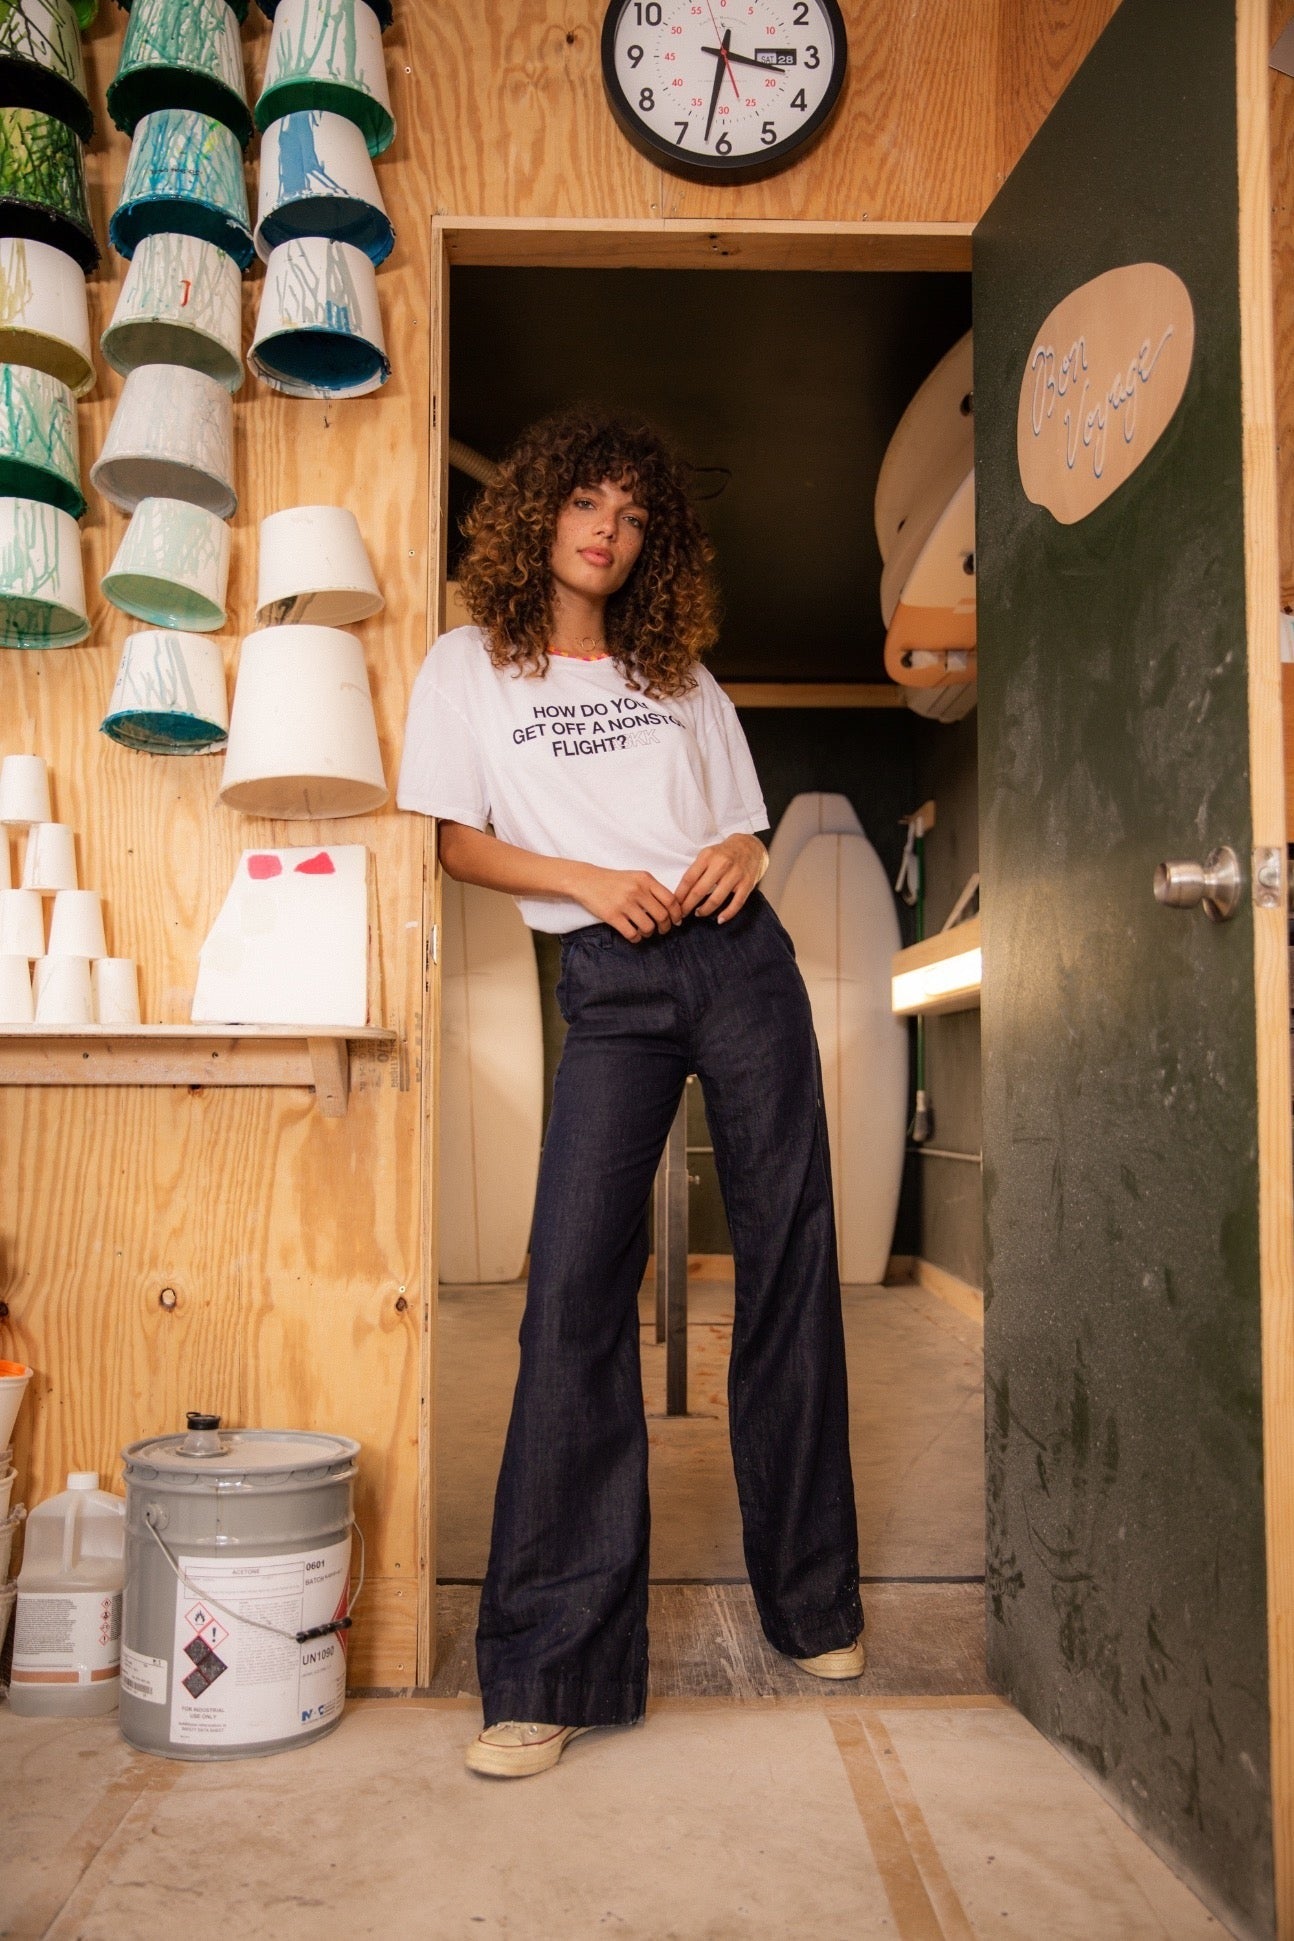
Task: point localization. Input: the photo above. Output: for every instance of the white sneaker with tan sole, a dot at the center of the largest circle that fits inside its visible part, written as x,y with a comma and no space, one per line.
517,1748
850,1661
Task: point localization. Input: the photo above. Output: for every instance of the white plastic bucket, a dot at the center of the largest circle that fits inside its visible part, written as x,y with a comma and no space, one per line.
22,925
8,1598
317,179
172,437
221,1529
8,1477
8,1531
49,863
169,695
181,303
6,861
63,992
44,314
319,328
302,735
182,54
172,566
24,791
41,65
17,1006
14,1377
115,986
184,175
42,586
314,568
76,925
39,454
328,54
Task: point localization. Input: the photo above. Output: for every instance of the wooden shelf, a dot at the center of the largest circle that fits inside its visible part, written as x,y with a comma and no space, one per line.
963,940
310,1055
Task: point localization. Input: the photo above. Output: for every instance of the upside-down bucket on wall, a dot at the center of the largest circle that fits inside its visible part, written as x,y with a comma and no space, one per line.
302,735
182,54
317,179
44,315
185,174
314,566
42,184
237,7
181,303
42,589
319,330
172,566
172,437
38,446
328,54
382,8
237,1599
169,695
41,64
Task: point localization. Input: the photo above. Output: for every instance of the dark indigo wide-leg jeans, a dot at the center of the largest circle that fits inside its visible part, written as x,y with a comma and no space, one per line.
562,1636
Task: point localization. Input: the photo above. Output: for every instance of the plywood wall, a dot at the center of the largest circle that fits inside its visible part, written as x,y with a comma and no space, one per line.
298,1248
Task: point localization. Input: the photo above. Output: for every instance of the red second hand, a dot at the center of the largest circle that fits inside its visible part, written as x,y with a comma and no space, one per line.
723,50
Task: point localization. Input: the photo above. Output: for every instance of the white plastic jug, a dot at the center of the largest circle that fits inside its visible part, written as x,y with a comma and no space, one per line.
67,1634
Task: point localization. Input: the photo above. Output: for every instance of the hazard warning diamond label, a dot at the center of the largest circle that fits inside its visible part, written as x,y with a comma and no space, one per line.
206,1667
206,1626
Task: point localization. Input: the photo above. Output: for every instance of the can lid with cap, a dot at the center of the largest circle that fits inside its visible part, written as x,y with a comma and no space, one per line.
83,1479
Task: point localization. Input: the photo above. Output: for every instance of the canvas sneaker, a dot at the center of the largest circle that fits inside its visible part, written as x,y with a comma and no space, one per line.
515,1748
850,1661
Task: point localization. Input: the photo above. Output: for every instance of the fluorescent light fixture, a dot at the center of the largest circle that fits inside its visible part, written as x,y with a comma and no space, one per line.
929,984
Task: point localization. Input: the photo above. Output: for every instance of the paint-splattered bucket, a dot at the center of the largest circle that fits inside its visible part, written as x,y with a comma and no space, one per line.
237,1599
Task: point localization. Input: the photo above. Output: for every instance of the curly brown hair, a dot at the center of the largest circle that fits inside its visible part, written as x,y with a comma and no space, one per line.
665,616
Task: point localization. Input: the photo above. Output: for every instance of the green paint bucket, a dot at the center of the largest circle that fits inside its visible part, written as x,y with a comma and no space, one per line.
86,11
382,8
41,64
185,175
328,54
42,588
38,449
169,696
181,54
42,185
172,566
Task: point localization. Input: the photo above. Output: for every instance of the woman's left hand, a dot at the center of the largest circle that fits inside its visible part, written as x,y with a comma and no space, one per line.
726,873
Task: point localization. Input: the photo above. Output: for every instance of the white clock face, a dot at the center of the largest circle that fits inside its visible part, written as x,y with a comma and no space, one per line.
720,85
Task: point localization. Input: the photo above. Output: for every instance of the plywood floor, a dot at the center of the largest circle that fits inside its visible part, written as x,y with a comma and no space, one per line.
916,1376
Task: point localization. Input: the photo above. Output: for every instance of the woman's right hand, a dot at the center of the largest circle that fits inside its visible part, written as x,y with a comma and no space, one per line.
630,900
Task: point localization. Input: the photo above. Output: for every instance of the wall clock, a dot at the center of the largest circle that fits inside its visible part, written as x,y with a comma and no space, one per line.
723,90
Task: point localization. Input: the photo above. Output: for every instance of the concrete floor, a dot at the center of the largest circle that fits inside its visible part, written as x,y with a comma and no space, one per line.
921,1820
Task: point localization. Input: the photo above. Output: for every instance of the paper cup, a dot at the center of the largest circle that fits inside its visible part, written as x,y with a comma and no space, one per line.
39,458
302,737
181,303
14,1377
24,791
328,54
181,54
114,984
172,566
41,63
317,179
42,589
169,695
16,1003
44,314
49,864
63,993
319,332
22,925
382,8
76,926
172,437
185,175
42,184
314,567
6,862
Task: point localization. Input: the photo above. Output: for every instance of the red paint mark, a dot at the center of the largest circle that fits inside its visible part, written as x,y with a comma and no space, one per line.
259,867
320,865
188,291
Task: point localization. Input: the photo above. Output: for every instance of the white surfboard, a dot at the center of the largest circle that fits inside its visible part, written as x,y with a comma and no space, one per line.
804,816
931,448
839,909
491,1086
931,638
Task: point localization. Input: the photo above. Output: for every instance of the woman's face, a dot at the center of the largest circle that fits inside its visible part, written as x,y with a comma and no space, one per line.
600,533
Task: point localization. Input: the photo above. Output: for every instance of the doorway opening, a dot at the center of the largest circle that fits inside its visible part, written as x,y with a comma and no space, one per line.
781,388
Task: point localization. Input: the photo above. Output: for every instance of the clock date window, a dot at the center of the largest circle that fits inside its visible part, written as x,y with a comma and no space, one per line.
723,77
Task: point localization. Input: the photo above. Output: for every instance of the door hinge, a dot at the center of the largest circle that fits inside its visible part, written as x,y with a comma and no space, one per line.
1269,879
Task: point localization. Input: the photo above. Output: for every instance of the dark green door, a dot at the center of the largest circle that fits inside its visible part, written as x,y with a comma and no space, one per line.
1136,1062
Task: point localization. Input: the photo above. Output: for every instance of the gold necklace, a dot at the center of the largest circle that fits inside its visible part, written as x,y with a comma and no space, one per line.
560,653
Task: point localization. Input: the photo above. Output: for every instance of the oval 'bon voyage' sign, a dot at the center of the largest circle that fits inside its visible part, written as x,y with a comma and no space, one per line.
1101,383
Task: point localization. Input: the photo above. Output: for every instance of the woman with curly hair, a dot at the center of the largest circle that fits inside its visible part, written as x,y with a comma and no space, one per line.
579,757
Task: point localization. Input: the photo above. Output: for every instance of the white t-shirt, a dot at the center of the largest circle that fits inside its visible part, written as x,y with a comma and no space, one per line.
575,764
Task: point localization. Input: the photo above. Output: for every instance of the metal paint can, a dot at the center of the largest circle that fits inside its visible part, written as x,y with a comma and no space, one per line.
237,1596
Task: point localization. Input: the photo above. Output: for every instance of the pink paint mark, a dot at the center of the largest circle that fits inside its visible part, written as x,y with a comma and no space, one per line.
260,867
320,865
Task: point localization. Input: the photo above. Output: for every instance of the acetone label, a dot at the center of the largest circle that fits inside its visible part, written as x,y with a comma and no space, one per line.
66,1639
236,1684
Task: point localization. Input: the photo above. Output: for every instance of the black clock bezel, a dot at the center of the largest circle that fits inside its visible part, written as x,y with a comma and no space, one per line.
719,168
